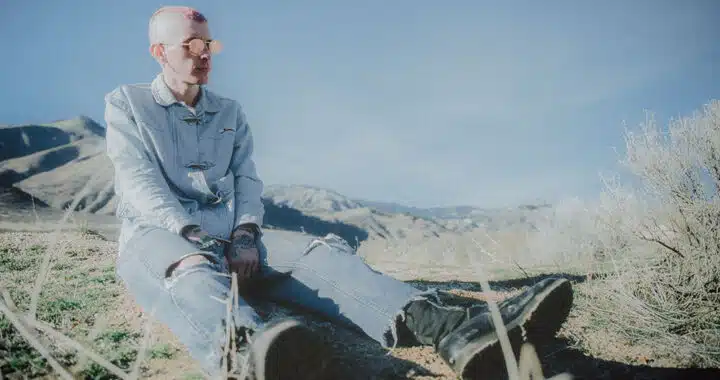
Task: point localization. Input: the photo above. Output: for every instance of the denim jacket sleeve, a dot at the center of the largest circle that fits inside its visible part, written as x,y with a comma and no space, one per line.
137,179
249,208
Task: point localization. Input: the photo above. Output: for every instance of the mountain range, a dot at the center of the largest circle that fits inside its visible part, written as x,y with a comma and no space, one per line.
58,162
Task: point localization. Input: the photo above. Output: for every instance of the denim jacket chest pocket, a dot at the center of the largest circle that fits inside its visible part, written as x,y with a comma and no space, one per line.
216,144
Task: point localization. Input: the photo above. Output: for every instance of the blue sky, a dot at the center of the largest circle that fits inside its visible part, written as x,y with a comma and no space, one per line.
470,102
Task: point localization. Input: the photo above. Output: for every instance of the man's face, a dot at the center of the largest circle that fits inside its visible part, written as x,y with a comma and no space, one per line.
177,60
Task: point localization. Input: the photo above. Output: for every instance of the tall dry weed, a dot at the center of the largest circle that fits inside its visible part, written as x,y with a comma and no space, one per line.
667,299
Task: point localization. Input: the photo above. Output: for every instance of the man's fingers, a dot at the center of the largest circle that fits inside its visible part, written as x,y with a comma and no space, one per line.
245,269
241,272
255,261
244,262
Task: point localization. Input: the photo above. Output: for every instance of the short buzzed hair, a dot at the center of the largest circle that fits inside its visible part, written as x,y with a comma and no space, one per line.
188,12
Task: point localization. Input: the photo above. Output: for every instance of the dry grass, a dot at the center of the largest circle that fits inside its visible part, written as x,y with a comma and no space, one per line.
669,300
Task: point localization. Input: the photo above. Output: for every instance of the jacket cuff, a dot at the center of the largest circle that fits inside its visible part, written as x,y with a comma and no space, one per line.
251,222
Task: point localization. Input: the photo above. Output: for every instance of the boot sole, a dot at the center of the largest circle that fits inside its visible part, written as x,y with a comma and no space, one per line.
548,317
541,319
290,350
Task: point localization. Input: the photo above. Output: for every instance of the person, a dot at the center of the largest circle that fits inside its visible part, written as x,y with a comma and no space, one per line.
189,199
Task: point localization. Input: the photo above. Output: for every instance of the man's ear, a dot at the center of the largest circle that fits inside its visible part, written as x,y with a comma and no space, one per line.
158,52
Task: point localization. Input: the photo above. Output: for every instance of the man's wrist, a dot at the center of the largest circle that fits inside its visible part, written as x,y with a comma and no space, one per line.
245,229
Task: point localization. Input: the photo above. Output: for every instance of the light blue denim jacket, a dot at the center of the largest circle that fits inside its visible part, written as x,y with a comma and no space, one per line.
175,166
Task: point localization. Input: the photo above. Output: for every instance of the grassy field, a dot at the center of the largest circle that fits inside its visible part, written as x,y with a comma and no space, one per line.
81,298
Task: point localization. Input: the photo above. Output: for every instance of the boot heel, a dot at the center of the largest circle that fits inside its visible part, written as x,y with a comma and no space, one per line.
291,350
550,314
486,360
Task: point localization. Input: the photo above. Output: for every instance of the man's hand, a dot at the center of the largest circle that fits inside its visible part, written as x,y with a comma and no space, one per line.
242,255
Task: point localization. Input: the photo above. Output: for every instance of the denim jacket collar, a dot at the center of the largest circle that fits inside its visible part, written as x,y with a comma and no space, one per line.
163,96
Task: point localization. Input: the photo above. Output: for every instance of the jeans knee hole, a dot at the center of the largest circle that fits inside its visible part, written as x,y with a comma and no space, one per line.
190,262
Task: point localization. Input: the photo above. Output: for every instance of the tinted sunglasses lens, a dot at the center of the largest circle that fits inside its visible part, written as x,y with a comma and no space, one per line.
196,46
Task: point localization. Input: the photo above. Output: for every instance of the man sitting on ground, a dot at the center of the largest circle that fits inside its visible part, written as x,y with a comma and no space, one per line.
191,210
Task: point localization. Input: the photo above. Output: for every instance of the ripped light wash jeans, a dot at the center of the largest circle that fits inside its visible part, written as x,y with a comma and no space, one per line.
323,275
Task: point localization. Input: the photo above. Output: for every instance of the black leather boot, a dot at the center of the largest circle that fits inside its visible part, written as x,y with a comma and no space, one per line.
466,339
282,349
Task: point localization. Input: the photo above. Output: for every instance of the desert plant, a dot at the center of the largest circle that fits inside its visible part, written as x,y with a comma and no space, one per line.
670,298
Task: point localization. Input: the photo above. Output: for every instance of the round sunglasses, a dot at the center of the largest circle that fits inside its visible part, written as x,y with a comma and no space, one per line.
197,46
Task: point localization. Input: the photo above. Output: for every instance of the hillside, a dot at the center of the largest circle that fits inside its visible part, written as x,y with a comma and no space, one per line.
57,161
333,206
309,198
397,220
23,140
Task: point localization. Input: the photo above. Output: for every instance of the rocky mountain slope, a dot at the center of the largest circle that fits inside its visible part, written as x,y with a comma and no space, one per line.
330,204
309,198
57,161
